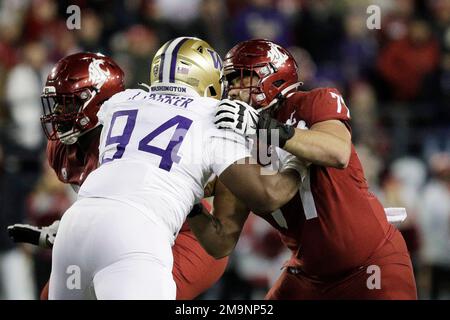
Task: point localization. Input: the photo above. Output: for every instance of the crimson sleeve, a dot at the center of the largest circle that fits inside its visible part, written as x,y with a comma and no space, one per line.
325,104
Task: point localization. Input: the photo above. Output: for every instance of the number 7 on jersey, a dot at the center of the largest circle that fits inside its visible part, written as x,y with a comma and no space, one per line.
340,103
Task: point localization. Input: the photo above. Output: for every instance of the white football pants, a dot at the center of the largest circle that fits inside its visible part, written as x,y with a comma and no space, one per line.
106,249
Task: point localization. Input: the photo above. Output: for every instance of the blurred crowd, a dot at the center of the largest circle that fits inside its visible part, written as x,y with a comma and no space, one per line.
395,80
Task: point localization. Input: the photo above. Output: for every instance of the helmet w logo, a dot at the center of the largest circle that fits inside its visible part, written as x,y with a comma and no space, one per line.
216,59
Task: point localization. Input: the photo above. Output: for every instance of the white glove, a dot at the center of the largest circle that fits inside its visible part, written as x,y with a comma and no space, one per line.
43,237
237,116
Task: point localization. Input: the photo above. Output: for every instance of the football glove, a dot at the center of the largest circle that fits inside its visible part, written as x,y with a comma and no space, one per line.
243,119
237,116
43,237
272,126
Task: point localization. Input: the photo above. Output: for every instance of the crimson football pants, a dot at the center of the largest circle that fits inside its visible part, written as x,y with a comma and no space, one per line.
391,262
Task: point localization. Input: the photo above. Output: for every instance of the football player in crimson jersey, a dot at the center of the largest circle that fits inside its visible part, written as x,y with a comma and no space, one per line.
73,140
342,244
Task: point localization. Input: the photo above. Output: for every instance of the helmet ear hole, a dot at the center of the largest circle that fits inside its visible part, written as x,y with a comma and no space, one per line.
212,91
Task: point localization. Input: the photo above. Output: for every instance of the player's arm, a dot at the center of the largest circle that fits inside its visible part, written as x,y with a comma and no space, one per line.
219,232
261,192
327,143
43,237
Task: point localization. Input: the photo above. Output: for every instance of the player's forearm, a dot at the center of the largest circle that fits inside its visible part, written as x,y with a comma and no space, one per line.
278,190
213,235
261,192
319,148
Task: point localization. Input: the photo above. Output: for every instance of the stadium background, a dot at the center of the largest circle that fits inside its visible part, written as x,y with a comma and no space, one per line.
396,81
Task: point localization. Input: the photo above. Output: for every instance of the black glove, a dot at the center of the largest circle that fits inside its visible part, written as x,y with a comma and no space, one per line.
43,237
285,131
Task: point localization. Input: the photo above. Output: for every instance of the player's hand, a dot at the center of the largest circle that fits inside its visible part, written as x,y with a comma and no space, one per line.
271,126
243,119
43,237
237,116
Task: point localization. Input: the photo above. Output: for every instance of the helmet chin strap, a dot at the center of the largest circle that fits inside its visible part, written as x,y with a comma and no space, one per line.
283,92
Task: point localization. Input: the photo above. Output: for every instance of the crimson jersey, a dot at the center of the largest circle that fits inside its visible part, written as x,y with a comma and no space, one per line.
71,164
334,224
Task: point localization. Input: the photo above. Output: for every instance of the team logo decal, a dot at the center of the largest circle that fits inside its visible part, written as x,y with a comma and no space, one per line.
218,64
182,69
155,70
276,56
97,75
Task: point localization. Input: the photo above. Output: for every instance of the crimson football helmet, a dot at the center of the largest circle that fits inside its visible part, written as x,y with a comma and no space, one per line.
274,66
73,93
